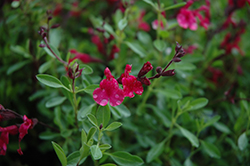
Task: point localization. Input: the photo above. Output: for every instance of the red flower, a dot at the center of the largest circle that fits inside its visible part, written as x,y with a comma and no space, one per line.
130,83
58,10
75,11
155,22
216,74
85,58
142,24
239,3
186,19
4,139
145,69
108,91
114,50
231,42
97,41
23,130
190,49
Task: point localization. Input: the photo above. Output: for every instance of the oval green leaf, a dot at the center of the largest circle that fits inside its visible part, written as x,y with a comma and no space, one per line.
155,152
60,153
96,152
93,120
50,81
190,136
242,141
211,149
126,159
198,103
113,126
55,101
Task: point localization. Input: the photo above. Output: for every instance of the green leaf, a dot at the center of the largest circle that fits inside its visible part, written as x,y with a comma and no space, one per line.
73,158
47,135
150,3
190,136
105,146
137,49
109,164
96,152
55,101
60,153
50,81
211,149
87,69
144,37
20,50
15,4
103,115
126,159
222,127
65,133
45,66
165,120
188,162
84,151
93,120
171,93
89,89
244,102
122,23
84,137
17,66
113,126
84,111
120,111
160,45
155,152
91,134
183,66
175,6
212,121
243,141
198,103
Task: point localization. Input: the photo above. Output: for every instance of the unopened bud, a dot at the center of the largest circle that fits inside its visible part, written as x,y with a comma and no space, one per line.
145,69
176,59
55,26
100,30
101,126
42,45
158,69
168,73
178,47
144,80
180,53
50,17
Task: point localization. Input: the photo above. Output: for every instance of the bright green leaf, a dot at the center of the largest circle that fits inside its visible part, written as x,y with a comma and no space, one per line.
212,120
126,159
211,149
60,153
96,152
45,66
86,69
122,23
175,6
84,111
137,49
93,120
198,103
55,101
171,93
150,3
113,126
222,127
160,45
243,141
105,146
20,50
73,158
84,137
89,89
50,81
91,133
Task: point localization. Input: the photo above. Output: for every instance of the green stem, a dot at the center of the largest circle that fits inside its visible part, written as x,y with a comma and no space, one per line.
75,102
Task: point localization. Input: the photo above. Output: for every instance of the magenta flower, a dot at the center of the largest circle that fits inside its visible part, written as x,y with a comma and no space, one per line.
4,139
186,19
85,58
130,83
108,91
23,130
142,24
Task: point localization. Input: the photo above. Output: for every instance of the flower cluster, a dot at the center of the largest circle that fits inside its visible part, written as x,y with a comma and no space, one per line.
187,18
22,129
109,90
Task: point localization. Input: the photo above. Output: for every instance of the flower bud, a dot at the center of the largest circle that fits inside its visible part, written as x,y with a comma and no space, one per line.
144,80
101,126
178,47
158,69
145,69
50,17
176,59
42,45
55,26
168,73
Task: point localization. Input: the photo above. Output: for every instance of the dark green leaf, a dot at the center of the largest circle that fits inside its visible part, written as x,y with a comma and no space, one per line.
84,111
211,149
190,136
171,93
198,103
155,152
222,127
137,49
17,66
44,67
47,135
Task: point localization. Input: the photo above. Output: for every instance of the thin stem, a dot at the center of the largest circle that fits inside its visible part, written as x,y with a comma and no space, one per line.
46,125
47,44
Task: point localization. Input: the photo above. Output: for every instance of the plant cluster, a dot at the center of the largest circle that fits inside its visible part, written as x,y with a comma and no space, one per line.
124,82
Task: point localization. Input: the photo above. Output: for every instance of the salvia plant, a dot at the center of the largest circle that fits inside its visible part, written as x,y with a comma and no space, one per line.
124,82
